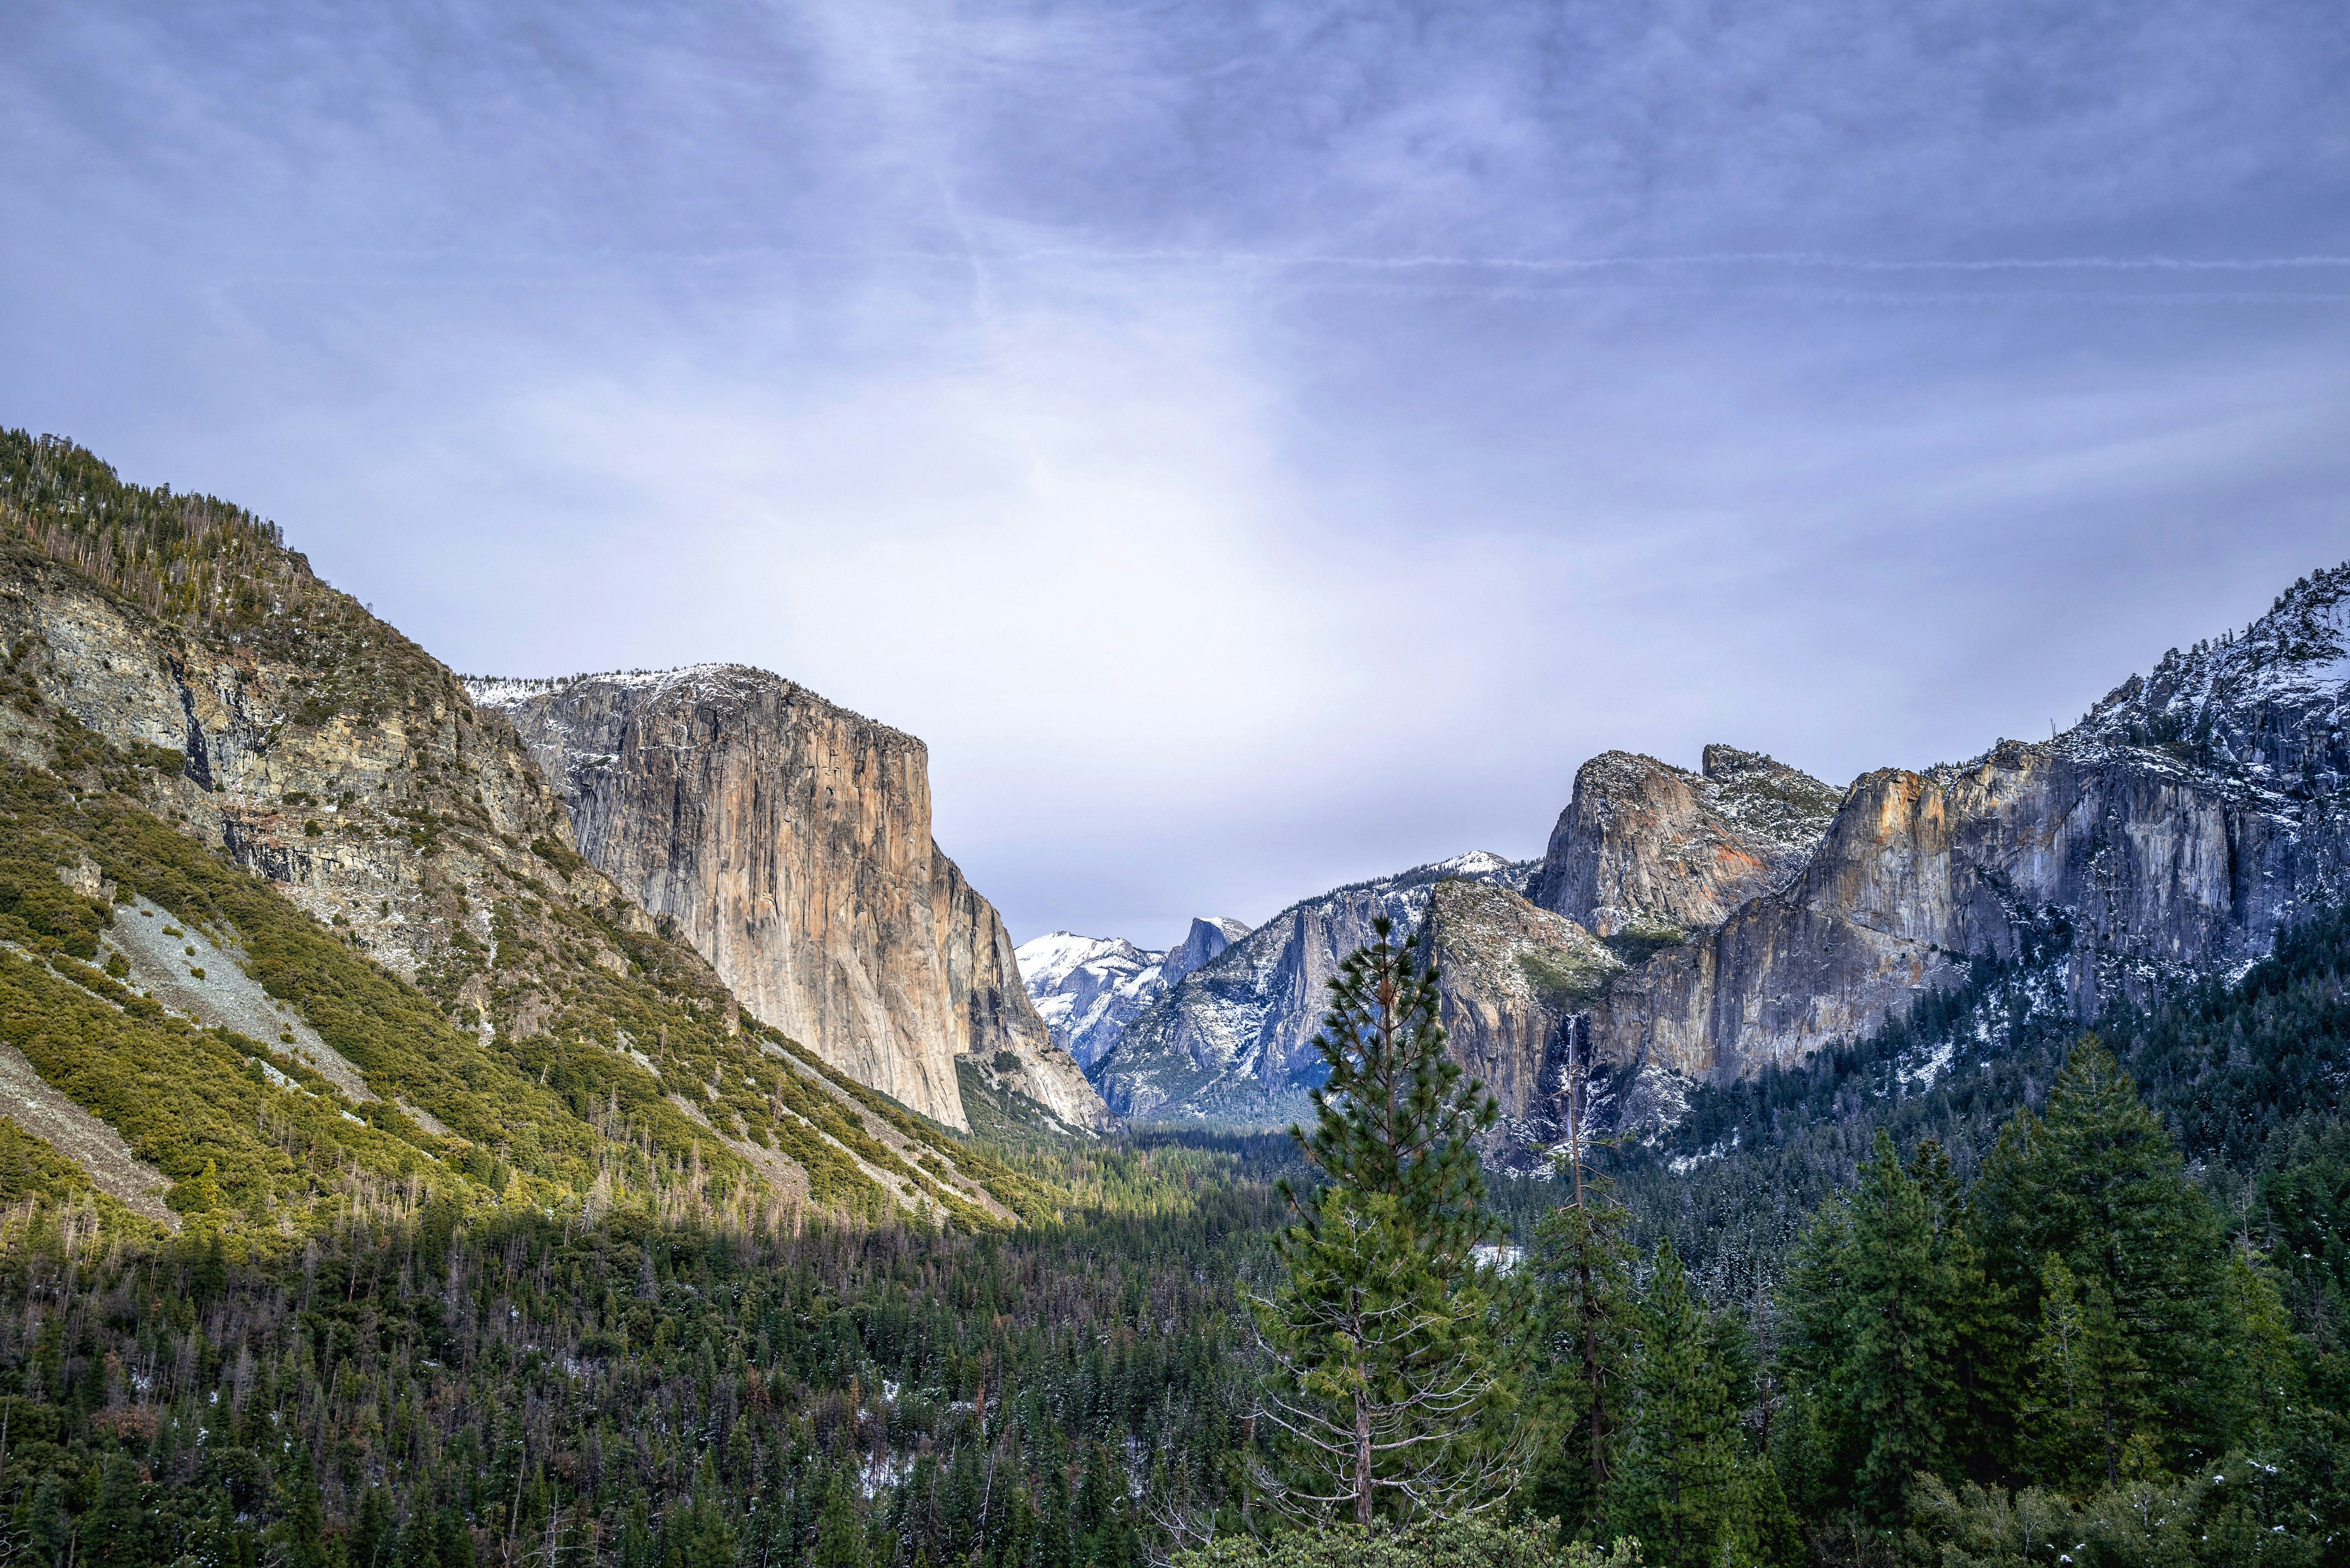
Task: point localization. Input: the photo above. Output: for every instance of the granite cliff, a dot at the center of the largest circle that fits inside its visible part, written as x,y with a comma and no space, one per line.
788,841
1233,1041
1646,848
2189,817
1515,976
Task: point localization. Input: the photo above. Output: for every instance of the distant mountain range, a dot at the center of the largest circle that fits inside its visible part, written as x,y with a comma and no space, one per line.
1088,989
1232,1042
1699,925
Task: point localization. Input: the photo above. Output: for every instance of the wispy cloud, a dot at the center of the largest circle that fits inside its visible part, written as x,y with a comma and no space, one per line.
1255,444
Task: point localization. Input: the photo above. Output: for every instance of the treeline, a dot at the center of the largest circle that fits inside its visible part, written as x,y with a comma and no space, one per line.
2245,1073
2051,1337
2075,1350
2077,1353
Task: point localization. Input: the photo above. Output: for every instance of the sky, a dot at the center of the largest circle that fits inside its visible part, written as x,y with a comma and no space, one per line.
1254,446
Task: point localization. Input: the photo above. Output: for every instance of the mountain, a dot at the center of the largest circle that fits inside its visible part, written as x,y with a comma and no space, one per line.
1087,988
1653,851
1512,974
1232,1042
294,925
2191,816
788,841
1708,926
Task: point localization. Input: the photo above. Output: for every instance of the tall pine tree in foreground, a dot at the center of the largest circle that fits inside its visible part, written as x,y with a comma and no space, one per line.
1583,1323
1381,1394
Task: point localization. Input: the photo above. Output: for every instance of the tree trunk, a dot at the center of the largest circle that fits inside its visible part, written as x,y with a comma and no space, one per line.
1362,1460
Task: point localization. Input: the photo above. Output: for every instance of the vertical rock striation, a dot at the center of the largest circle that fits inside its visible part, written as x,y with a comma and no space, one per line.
789,840
1512,974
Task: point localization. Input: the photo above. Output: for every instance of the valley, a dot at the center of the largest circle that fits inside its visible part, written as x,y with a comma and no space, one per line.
460,1119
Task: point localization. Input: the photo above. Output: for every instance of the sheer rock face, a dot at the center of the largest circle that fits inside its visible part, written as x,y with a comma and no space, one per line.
1233,1041
789,842
1511,975
1645,846
2192,814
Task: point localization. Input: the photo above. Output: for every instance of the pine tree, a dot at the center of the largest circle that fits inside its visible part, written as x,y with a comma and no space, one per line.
1685,1486
2095,1180
1379,1341
839,1534
1584,1310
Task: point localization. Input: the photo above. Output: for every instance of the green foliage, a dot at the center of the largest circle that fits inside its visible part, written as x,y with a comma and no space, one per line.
1897,1347
189,559
1686,1483
2117,1261
29,1167
409,1384
1470,1542
1382,1338
1584,1320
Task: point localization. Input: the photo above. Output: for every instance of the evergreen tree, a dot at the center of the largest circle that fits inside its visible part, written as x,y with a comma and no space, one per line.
1685,1485
1584,1310
2095,1180
839,1534
1894,1340
1380,1337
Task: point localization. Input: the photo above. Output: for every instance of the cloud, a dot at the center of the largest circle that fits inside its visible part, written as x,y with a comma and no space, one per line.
1254,444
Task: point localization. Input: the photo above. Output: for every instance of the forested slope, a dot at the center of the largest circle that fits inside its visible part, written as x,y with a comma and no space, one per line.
192,717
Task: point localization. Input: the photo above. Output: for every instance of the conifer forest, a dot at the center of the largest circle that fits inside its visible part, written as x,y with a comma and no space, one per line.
2079,1300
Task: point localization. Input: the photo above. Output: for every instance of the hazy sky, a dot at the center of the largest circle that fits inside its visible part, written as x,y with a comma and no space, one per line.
1255,446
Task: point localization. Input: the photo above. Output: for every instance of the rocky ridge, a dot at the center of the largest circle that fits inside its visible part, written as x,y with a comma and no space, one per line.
789,840
1232,1043
197,686
1645,849
1088,989
2189,816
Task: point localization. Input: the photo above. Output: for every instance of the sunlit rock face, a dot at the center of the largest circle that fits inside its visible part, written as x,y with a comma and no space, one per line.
1644,845
789,840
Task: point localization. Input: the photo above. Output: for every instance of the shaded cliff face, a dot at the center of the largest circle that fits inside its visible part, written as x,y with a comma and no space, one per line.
1648,849
2192,814
788,841
1234,1041
1511,975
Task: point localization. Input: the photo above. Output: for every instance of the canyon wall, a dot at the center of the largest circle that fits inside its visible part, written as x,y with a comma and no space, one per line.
788,841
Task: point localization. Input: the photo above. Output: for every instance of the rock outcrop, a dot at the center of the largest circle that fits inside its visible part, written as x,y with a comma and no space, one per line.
1511,975
1234,1042
1088,989
789,840
2193,813
1647,848
170,656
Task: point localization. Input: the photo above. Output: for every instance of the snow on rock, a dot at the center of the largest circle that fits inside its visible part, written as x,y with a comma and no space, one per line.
1231,1042
1087,988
